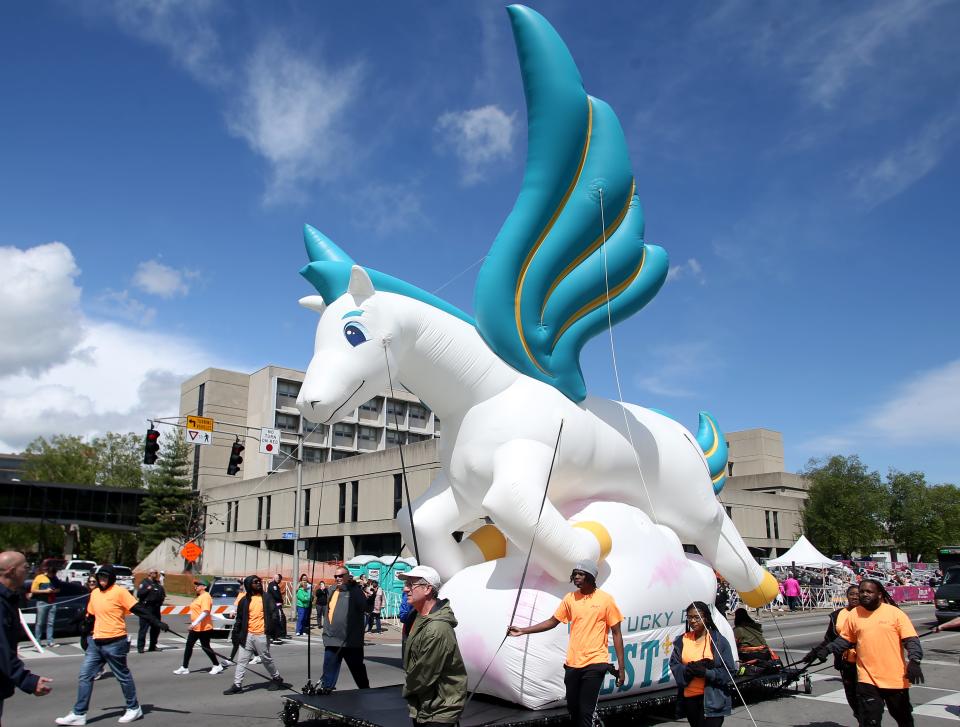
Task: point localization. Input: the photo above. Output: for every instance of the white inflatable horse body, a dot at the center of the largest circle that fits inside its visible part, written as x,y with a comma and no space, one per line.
499,432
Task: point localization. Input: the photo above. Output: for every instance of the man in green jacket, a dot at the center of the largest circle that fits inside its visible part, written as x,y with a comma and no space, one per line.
436,678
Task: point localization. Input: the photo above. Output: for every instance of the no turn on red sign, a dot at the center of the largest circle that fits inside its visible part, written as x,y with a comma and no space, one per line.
270,441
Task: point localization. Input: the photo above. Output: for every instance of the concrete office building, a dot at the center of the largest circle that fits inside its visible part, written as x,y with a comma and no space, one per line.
352,474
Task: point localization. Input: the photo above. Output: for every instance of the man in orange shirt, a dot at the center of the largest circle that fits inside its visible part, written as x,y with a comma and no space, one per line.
845,663
257,622
591,613
880,632
109,605
201,625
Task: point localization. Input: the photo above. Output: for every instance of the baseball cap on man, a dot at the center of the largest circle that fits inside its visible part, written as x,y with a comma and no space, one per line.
422,573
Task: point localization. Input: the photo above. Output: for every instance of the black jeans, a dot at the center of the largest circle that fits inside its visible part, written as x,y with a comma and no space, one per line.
142,634
333,656
872,700
693,709
583,689
204,638
848,675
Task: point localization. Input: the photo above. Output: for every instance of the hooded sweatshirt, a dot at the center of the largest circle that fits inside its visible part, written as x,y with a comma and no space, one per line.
436,678
749,635
271,619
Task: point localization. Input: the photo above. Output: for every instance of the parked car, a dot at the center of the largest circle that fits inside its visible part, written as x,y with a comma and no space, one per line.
946,600
124,576
71,605
224,592
76,570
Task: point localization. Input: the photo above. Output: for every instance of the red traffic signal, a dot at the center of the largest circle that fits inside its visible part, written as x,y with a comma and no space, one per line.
151,446
235,459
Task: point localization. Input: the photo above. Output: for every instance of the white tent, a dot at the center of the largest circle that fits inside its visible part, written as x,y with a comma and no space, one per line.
803,555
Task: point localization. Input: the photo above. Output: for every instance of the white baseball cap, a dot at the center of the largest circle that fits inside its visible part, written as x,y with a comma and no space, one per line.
424,573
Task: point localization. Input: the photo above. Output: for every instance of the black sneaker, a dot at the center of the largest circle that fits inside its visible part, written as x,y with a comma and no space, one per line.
234,689
276,684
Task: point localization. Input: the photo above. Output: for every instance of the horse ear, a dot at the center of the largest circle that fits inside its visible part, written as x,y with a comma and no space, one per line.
313,302
361,287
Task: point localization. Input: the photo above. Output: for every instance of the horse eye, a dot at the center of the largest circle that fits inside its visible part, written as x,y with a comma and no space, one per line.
355,333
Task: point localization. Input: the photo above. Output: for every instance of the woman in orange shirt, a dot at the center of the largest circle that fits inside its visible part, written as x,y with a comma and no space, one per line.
702,663
201,626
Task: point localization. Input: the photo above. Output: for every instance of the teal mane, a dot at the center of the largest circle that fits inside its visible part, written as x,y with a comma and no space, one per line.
542,292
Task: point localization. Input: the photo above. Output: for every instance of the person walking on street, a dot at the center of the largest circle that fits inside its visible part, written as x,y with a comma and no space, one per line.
304,601
43,592
109,605
846,662
343,632
880,632
791,589
84,624
435,678
379,600
591,613
257,621
275,589
13,673
703,665
201,627
320,602
151,596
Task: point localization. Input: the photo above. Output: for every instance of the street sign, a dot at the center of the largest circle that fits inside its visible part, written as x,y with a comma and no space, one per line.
269,441
199,430
288,535
191,551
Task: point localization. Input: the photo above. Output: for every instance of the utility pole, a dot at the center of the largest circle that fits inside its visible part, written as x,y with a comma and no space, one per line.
297,518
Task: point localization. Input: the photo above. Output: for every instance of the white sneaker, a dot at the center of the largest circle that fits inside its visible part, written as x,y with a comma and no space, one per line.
217,669
72,719
130,715
181,670
256,660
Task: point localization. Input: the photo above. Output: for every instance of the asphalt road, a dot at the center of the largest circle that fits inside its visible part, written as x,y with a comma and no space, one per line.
197,700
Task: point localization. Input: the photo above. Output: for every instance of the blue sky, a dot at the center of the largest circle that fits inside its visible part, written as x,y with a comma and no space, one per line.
157,162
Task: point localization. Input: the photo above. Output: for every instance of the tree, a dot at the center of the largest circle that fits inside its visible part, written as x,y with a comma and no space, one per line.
119,459
171,507
64,458
945,502
847,505
913,522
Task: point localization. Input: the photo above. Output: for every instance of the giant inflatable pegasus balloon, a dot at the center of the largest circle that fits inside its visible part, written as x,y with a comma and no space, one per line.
628,484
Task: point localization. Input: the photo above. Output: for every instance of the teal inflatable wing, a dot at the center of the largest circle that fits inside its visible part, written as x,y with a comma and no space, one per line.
549,282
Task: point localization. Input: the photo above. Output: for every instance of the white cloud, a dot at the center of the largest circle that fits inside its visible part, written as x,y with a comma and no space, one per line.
291,111
153,277
39,315
478,137
677,368
690,269
127,376
120,304
879,181
387,208
921,410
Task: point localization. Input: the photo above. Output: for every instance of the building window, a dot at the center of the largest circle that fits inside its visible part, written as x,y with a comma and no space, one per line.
306,507
776,525
259,513
269,503
354,500
766,516
436,423
287,392
288,422
729,510
229,516
367,437
343,435
394,438
236,514
396,412
729,469
418,416
397,493
370,409
342,511
314,454
338,454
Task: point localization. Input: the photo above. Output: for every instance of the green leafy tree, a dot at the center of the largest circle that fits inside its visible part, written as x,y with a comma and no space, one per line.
847,505
913,523
65,458
171,507
945,501
119,459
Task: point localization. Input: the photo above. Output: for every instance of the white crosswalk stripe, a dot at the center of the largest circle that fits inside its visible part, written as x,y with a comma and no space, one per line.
944,706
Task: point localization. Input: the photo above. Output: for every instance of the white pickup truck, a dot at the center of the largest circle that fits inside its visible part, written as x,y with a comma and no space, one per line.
76,570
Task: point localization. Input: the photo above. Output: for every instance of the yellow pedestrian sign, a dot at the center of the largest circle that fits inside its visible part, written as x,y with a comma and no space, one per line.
199,430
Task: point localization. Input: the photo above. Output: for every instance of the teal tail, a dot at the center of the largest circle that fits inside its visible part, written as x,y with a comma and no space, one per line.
714,448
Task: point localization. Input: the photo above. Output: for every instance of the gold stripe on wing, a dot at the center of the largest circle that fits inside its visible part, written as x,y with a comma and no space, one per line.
546,231
593,247
600,300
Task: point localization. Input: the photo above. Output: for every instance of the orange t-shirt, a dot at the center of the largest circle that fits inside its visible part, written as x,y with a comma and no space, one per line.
695,649
109,609
255,620
850,654
590,617
333,604
877,635
203,602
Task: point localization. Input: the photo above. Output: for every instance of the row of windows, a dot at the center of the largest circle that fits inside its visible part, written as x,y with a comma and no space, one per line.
397,412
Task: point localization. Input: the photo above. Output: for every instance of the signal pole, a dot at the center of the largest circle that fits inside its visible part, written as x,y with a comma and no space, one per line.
297,519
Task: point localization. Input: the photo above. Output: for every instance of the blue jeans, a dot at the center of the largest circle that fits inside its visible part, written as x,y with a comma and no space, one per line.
113,655
303,619
45,616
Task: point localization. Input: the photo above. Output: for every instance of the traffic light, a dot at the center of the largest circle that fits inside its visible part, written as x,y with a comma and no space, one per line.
235,458
151,446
